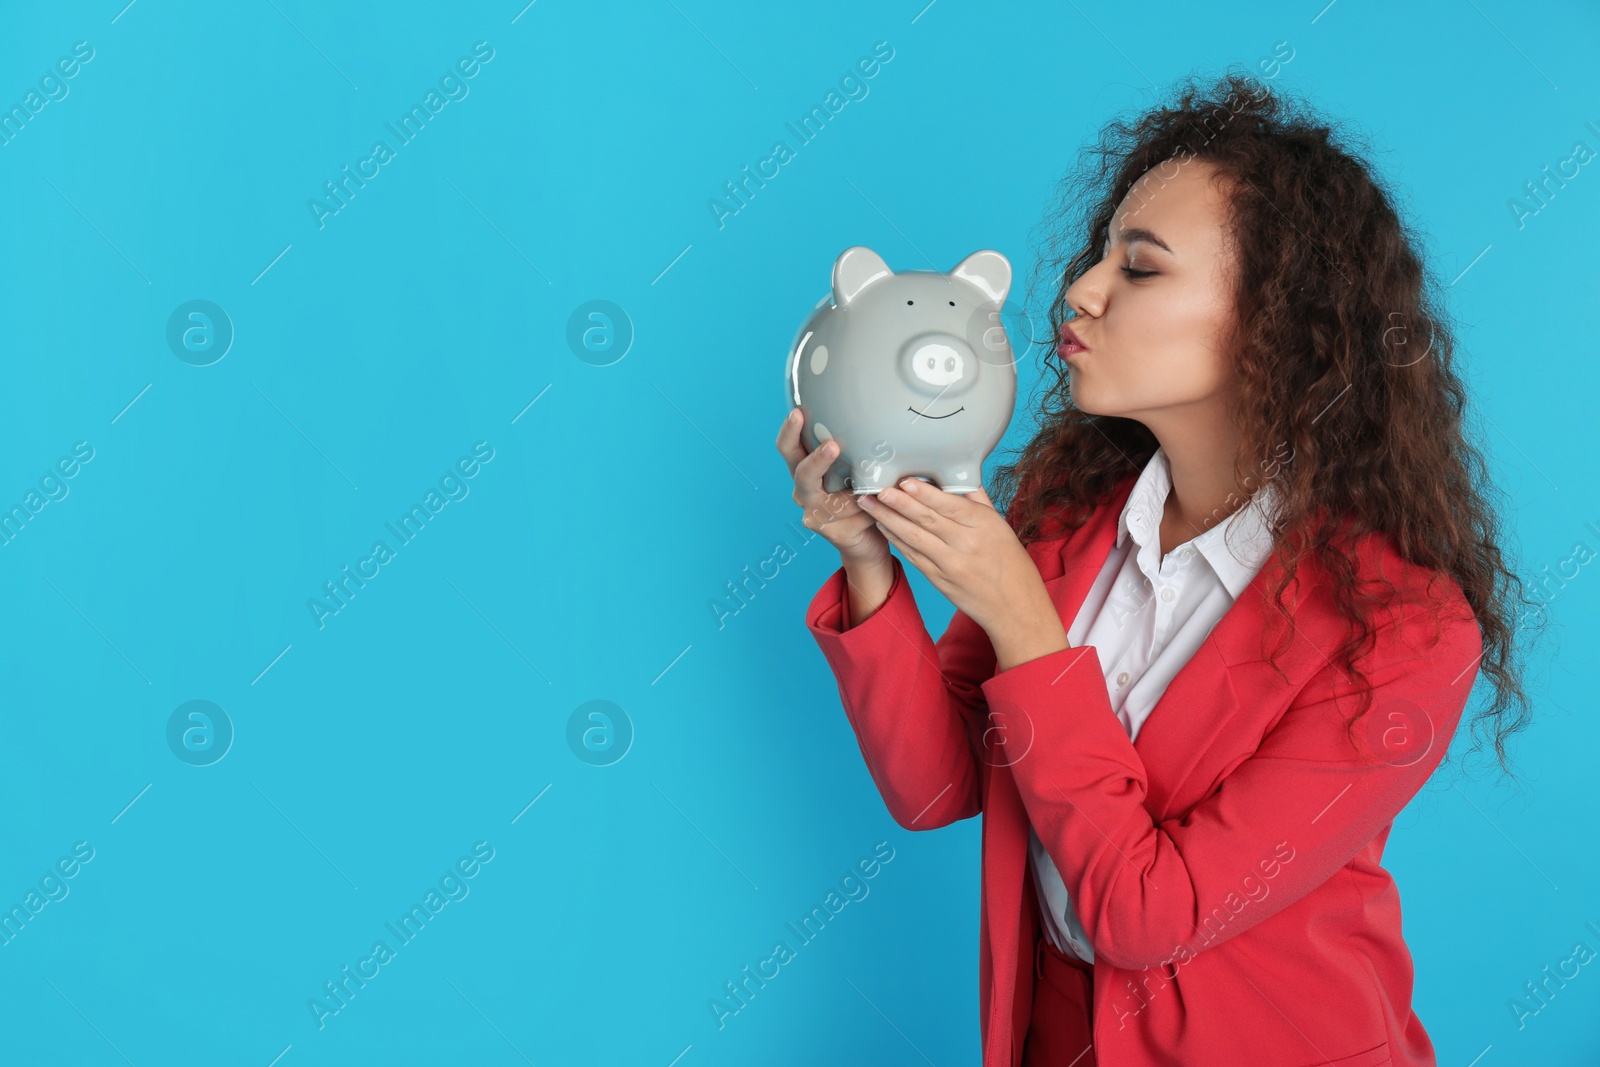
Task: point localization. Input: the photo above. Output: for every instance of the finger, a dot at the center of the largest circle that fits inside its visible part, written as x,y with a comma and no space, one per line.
905,530
912,556
789,444
809,471
915,500
952,506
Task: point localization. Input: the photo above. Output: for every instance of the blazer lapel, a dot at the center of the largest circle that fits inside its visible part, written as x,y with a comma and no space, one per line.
1201,707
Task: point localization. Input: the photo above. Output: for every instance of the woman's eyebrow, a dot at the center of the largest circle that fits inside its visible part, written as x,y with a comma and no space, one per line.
1138,233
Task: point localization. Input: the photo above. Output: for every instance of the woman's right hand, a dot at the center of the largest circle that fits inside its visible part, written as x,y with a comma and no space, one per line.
836,516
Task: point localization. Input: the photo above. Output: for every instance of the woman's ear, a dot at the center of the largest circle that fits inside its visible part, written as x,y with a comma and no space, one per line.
989,271
857,267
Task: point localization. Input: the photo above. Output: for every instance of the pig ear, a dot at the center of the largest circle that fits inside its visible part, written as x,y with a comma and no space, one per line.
856,268
989,271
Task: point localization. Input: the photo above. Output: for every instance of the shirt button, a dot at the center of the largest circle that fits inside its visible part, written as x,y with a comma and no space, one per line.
1122,679
1167,593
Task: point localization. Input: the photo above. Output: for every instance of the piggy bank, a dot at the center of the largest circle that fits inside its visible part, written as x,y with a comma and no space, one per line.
911,372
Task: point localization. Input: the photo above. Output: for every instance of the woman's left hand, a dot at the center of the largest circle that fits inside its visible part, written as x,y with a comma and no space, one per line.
965,547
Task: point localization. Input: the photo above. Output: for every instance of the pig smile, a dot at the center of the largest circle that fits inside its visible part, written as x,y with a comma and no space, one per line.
925,415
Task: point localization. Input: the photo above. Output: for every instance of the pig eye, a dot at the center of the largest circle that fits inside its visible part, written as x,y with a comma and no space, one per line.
952,303
908,303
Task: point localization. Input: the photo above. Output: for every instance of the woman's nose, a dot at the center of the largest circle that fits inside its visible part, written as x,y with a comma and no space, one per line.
1085,296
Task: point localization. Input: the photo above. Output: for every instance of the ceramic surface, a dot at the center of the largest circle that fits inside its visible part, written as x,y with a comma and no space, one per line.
912,372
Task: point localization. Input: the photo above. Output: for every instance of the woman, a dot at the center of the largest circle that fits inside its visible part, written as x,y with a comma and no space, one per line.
1250,473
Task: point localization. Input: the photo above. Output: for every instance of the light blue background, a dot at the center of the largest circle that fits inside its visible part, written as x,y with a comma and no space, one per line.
430,312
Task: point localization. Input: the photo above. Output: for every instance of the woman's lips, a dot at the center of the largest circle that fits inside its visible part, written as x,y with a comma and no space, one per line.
1069,345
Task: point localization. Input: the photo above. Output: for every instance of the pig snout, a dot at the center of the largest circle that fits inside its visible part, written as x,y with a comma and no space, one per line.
938,364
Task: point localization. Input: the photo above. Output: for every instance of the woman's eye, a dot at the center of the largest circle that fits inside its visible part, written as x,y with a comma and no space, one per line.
1130,272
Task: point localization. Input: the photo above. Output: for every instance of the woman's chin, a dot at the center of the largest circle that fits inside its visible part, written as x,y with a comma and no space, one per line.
1073,384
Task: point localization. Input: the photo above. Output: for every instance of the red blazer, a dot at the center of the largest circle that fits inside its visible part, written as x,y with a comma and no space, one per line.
1225,866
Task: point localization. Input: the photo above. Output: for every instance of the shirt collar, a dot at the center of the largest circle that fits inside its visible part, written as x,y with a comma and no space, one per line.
1235,548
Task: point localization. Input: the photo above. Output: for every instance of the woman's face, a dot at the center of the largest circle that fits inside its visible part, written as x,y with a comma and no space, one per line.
1156,343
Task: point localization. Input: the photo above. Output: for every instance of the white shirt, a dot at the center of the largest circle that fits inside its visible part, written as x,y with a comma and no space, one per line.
1146,616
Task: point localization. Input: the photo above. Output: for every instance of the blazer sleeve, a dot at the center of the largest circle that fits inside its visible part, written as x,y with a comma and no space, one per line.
1145,890
916,705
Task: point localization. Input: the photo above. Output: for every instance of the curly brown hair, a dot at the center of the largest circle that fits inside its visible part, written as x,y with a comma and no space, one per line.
1344,354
